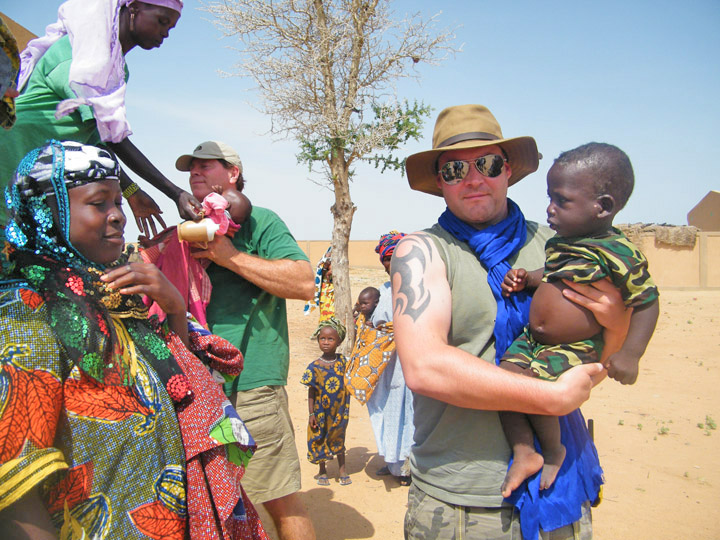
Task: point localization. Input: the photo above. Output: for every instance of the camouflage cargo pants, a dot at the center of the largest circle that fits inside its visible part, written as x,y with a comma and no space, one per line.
428,518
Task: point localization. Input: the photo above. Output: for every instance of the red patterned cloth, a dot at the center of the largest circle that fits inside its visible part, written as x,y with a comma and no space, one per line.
217,448
173,258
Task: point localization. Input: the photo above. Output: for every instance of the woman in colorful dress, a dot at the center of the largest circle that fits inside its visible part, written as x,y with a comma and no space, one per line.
109,426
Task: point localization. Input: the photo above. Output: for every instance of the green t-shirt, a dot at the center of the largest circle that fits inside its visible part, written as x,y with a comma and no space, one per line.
253,320
36,123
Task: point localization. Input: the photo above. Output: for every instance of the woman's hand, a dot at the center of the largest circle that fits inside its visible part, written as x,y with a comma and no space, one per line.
145,210
147,279
188,206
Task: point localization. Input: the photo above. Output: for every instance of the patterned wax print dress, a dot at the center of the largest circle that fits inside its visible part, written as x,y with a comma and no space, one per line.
108,460
332,408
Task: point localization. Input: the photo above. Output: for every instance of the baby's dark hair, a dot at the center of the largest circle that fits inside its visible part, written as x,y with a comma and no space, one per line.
609,166
240,181
370,290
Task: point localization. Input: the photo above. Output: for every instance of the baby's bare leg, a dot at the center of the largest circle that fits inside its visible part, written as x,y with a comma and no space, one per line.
547,429
519,434
526,461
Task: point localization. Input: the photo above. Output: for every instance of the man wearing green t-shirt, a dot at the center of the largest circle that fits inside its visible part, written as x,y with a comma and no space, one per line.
252,274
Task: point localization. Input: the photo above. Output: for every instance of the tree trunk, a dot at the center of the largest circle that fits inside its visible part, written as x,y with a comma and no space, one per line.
342,212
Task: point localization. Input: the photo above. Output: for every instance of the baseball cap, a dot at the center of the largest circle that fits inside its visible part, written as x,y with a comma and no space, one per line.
209,150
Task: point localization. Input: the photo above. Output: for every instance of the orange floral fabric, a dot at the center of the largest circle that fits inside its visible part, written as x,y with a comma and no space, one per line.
373,349
108,460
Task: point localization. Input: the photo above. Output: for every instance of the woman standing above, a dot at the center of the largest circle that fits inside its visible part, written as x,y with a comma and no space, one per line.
72,84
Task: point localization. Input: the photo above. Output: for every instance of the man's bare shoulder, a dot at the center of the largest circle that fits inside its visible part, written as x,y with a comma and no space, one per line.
416,267
417,248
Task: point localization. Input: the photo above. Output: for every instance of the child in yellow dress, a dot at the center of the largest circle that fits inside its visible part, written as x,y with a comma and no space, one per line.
328,402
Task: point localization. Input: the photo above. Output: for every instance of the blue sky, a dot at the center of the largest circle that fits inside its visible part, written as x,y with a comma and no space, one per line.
643,75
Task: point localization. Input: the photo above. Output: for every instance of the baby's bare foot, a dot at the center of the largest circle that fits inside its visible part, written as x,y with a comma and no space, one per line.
525,464
553,461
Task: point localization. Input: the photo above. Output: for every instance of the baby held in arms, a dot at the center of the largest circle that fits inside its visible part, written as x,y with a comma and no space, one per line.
587,187
171,250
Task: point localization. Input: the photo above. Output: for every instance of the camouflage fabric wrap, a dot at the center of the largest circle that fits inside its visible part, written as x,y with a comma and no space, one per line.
551,361
613,255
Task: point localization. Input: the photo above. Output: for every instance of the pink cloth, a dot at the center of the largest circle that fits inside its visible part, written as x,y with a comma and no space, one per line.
173,258
214,206
187,273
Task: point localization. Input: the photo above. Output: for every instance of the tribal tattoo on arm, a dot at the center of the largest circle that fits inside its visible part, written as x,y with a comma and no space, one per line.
412,298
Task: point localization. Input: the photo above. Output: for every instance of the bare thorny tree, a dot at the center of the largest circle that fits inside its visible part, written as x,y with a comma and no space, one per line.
322,67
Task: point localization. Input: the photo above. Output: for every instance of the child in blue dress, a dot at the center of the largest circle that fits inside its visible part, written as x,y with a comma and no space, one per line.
328,402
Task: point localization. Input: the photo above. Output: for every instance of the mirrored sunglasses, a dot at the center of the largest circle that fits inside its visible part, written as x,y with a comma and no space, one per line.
490,165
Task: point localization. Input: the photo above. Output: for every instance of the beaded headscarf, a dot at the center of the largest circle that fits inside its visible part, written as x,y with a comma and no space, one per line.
99,328
51,170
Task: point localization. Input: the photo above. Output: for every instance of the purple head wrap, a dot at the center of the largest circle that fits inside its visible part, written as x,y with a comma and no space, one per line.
175,5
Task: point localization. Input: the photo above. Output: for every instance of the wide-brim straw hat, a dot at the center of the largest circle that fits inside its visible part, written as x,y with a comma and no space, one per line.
469,126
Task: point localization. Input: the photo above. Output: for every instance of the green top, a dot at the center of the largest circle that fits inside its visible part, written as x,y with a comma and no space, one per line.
253,320
460,455
36,123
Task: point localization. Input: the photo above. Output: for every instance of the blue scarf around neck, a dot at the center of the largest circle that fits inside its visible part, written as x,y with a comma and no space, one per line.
494,246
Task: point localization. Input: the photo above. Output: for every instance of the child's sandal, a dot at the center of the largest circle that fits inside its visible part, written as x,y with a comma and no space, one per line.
322,480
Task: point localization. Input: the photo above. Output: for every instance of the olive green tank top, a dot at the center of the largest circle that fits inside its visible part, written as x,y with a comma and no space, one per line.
460,456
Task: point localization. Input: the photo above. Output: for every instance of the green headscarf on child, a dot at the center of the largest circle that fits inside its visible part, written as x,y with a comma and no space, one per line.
334,323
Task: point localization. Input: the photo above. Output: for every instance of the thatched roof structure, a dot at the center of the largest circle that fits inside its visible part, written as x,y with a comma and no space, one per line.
672,235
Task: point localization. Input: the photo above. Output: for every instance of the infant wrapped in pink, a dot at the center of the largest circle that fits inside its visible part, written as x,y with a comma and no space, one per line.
173,258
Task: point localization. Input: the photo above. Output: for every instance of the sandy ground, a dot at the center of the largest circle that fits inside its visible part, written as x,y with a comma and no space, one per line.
657,439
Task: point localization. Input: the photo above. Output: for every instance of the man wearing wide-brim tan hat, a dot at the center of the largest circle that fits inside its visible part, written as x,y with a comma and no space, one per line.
469,126
452,324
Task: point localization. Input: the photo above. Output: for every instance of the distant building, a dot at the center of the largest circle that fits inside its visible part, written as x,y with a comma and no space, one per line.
706,214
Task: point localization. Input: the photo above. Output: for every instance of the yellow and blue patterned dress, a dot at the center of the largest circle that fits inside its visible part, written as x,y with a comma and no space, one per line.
332,408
